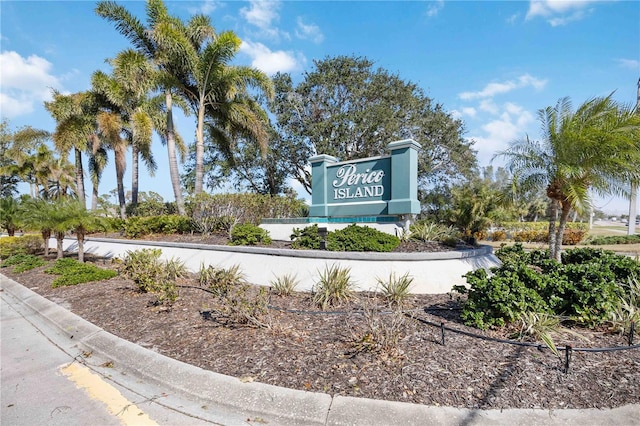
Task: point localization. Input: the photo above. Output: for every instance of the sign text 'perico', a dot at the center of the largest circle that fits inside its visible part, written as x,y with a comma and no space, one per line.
386,185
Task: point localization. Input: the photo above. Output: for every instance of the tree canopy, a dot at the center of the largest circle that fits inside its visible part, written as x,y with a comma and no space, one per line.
345,108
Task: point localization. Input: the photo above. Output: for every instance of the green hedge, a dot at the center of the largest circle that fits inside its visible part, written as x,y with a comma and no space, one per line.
586,286
351,238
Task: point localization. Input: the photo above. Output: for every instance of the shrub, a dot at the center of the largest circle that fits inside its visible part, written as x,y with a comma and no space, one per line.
220,280
361,238
29,244
396,289
498,236
153,275
428,231
73,272
245,304
220,212
23,262
138,226
334,285
615,239
379,332
306,238
284,285
249,234
586,286
571,237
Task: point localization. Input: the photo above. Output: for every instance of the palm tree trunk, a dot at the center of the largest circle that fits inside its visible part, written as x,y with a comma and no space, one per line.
94,197
553,216
120,152
199,151
80,177
46,235
80,238
173,161
59,240
564,216
135,159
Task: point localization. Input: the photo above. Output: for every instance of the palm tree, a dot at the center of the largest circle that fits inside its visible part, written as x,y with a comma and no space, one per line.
97,163
9,215
596,147
74,129
79,220
27,156
213,88
36,213
128,88
141,37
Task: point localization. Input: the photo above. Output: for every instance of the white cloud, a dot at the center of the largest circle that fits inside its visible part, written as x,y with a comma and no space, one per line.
493,89
207,7
270,61
309,31
24,82
628,63
497,134
434,8
264,14
559,12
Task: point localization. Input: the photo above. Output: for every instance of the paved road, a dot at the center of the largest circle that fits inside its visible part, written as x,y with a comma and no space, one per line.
44,385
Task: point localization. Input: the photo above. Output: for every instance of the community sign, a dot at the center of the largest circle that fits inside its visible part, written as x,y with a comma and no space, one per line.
378,186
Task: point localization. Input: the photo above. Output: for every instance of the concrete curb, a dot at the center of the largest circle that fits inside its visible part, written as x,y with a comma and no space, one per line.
271,404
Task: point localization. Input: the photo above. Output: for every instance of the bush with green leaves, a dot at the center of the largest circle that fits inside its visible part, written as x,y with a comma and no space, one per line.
73,272
219,279
396,289
23,262
614,239
28,243
248,234
586,287
139,226
153,275
306,238
361,238
334,285
429,231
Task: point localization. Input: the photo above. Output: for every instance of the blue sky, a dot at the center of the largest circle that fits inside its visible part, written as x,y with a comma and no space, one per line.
493,64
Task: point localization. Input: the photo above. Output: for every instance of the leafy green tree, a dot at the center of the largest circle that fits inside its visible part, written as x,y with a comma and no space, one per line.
596,147
346,108
8,180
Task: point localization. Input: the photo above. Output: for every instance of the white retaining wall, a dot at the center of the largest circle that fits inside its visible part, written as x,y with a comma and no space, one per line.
432,273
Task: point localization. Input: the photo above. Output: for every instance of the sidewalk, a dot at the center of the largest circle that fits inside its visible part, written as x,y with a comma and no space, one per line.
175,393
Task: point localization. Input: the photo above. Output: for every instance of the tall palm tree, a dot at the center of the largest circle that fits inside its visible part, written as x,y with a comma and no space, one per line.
74,129
141,38
97,163
132,80
210,84
595,147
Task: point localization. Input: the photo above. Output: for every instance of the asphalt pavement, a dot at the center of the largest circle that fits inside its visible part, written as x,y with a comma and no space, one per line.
58,369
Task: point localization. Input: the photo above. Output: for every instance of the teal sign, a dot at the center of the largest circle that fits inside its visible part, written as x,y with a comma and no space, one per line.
386,185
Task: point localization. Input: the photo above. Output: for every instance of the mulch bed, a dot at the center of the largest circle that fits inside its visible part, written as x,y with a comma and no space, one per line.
359,348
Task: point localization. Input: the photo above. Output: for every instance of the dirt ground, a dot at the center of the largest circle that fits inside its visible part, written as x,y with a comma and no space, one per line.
361,348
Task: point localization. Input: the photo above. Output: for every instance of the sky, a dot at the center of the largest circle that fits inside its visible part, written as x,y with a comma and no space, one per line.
492,64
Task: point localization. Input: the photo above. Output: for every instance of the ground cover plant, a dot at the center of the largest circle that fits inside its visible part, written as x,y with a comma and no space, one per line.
72,272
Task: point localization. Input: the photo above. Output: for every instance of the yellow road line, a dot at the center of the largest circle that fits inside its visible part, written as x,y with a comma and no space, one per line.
98,389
